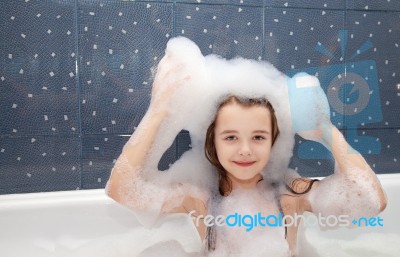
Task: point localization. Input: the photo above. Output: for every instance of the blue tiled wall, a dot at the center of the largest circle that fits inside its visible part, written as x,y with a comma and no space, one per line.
75,76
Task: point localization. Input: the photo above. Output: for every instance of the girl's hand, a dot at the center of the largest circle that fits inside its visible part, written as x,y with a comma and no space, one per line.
170,76
309,108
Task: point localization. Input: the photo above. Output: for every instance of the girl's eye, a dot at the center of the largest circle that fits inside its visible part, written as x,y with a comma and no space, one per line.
230,138
259,138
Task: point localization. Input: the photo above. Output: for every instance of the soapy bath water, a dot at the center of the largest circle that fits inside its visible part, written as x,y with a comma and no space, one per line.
193,108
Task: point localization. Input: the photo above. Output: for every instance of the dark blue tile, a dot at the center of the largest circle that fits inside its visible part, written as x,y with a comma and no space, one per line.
38,68
225,2
39,163
387,5
100,153
225,30
311,159
119,42
380,147
183,143
318,4
296,41
373,61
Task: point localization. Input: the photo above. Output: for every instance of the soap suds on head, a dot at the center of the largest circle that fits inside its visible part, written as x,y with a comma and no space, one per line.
193,108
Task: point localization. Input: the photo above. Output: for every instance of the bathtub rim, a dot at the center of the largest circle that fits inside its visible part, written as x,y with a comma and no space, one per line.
96,195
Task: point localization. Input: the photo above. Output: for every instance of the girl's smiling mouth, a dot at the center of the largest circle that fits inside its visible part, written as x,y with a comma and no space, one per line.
244,164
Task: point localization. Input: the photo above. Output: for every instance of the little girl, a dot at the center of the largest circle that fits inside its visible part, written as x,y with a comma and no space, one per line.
238,144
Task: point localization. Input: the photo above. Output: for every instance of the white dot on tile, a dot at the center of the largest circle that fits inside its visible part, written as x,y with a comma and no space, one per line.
71,74
14,106
23,35
49,31
30,95
51,74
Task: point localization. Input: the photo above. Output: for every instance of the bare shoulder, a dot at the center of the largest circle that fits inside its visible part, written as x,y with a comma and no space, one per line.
295,199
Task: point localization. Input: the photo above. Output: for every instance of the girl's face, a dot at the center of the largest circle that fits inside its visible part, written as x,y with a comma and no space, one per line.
243,139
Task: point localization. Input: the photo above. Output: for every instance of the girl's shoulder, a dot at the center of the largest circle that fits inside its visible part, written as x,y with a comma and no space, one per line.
295,195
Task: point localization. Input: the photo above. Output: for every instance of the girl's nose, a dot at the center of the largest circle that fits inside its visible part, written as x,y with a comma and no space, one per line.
245,149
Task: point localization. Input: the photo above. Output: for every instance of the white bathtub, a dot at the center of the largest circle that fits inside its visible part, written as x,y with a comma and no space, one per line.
59,223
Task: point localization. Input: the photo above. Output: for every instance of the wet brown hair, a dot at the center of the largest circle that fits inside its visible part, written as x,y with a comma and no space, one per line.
297,186
225,184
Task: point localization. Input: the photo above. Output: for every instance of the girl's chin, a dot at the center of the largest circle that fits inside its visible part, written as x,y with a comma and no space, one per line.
246,177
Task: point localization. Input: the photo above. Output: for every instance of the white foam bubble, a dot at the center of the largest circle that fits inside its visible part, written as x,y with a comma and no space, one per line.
194,107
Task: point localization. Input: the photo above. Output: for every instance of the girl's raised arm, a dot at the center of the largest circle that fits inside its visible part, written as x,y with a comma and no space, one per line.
126,184
353,189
